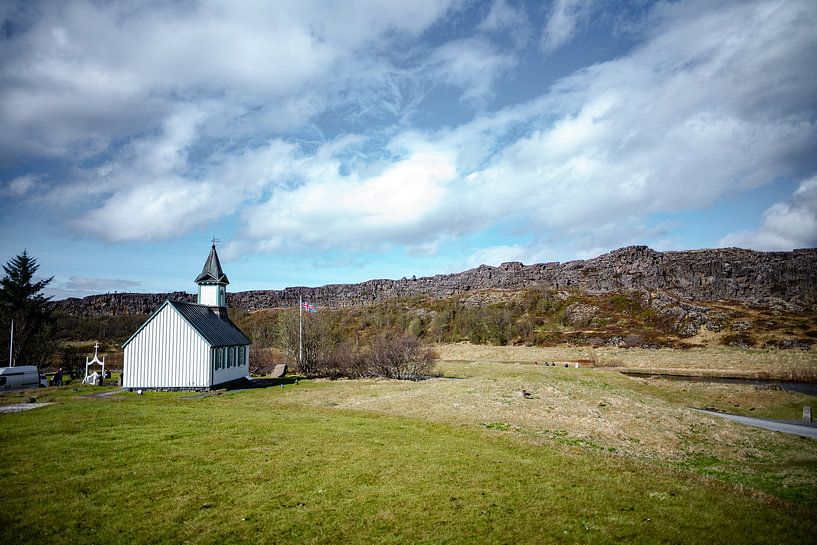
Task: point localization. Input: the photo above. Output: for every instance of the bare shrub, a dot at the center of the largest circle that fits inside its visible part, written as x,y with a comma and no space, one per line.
596,360
399,356
263,361
320,339
415,327
738,340
797,374
633,341
345,360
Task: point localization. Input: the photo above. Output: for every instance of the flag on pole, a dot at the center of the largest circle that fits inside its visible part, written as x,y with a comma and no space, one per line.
309,307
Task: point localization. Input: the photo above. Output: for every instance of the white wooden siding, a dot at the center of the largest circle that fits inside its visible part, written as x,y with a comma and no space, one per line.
209,295
168,353
230,373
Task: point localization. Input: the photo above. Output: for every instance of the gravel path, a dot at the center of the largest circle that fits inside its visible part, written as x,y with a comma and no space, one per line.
19,407
803,429
103,395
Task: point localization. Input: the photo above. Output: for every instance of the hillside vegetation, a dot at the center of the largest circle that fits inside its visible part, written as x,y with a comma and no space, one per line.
533,317
541,317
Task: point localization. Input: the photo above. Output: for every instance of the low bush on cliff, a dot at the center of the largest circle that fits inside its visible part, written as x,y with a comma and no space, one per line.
738,340
535,317
532,317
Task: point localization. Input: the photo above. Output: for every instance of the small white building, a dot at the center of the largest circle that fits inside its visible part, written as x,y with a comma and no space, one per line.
189,346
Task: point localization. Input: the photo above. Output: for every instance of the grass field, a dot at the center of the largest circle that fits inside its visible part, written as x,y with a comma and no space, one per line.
708,359
590,457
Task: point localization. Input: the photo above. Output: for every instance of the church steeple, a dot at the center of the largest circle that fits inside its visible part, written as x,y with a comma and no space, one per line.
212,282
212,269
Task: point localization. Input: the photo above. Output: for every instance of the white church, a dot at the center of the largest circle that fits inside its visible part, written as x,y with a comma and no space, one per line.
189,346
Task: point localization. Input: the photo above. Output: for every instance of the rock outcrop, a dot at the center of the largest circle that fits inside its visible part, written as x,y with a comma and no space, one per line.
786,280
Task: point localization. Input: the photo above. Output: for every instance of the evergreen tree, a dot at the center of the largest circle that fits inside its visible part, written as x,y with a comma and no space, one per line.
21,300
72,361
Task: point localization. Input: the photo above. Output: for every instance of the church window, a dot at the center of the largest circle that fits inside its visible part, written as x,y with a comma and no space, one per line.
220,358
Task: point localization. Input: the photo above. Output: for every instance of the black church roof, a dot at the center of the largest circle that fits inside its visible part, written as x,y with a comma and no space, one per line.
212,270
217,331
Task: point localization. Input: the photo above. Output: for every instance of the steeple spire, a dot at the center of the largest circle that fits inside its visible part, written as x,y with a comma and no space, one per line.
212,282
212,270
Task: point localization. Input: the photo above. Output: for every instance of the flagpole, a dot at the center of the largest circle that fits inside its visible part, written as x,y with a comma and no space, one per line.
11,344
300,333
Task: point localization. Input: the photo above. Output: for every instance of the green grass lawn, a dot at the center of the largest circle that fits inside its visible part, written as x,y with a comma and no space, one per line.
269,466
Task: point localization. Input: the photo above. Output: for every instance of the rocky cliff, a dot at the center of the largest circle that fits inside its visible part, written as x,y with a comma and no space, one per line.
771,279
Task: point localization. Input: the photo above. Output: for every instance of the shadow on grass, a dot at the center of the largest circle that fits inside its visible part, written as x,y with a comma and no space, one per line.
255,383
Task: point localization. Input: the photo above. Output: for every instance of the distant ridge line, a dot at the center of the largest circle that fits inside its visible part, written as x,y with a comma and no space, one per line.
770,279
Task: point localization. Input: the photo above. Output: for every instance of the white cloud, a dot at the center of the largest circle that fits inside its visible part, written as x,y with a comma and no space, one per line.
394,206
81,286
504,17
564,20
96,285
427,249
674,125
20,186
156,210
582,241
473,64
496,255
786,225
663,129
283,62
715,100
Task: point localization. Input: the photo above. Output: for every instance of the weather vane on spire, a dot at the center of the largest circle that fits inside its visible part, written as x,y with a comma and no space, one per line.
214,240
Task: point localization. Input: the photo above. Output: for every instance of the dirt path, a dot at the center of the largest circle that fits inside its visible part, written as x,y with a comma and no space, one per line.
103,395
803,429
19,407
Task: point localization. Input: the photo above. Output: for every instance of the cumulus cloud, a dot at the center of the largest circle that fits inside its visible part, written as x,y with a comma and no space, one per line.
155,210
80,286
786,225
96,285
687,117
582,241
283,62
393,206
715,99
496,255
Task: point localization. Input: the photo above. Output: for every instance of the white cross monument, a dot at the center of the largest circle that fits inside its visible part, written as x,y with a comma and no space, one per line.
95,377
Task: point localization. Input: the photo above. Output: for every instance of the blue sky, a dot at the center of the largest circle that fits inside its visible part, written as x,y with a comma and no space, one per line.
326,142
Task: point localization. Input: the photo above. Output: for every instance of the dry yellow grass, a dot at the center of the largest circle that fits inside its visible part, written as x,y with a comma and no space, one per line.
597,409
770,363
585,407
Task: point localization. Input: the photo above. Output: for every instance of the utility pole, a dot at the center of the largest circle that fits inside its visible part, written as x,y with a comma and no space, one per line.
11,344
300,333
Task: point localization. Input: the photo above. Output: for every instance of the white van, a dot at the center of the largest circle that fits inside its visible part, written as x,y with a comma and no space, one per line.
22,376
